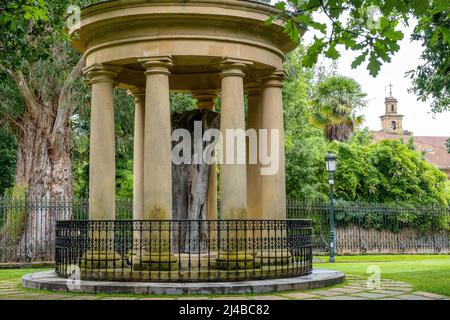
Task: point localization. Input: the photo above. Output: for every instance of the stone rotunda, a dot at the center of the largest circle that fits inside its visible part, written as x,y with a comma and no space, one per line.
210,48
207,47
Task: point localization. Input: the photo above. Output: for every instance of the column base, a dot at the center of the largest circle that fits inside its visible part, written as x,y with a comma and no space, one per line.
274,257
235,261
146,261
101,260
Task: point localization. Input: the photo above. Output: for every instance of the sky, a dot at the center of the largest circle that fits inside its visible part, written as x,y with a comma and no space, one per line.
417,116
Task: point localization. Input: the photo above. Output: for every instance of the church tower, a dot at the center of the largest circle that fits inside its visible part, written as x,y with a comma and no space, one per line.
391,121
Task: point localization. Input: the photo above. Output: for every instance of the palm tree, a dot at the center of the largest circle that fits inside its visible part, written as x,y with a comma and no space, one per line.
335,104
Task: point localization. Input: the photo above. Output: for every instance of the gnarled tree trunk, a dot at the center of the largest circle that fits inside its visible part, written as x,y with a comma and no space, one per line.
43,162
46,171
42,166
190,184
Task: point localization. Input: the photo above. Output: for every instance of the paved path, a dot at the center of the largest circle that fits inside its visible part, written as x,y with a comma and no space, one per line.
355,289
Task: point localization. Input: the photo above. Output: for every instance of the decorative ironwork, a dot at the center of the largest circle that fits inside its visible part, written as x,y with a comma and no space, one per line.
183,250
27,226
375,228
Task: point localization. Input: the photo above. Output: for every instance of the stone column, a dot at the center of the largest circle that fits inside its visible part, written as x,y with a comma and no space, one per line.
253,176
101,169
138,154
232,254
157,168
273,188
205,101
233,176
157,140
102,143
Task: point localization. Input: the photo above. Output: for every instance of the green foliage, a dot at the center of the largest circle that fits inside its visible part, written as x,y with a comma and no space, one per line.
13,223
432,79
411,144
30,29
79,148
8,158
370,28
181,102
12,105
336,101
387,171
124,129
355,178
20,21
447,191
304,145
392,216
124,178
361,137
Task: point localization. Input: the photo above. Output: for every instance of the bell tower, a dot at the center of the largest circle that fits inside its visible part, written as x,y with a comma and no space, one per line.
391,121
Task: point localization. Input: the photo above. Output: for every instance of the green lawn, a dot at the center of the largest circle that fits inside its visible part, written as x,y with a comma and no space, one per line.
429,273
16,274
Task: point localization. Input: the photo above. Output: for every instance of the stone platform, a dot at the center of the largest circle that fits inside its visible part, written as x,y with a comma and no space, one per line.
49,280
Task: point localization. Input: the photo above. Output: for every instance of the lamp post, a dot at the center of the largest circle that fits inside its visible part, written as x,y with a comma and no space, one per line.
330,161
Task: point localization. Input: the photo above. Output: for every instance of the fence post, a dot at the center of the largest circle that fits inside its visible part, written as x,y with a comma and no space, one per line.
26,226
436,246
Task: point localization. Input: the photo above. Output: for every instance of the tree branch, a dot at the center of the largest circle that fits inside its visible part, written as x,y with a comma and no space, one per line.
30,101
64,110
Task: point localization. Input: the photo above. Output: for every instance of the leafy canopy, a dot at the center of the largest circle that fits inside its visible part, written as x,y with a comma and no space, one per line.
371,28
387,171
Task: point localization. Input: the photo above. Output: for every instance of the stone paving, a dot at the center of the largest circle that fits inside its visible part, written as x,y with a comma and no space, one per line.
354,289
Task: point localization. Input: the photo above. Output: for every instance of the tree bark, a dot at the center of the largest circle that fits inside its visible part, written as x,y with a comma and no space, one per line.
45,170
339,132
190,184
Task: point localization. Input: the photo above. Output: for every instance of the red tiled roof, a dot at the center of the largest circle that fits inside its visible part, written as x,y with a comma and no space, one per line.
435,147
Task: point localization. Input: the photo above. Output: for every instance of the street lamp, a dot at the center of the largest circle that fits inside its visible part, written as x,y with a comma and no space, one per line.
330,162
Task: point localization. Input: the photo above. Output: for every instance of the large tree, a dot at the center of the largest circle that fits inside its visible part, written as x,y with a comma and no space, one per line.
335,103
38,69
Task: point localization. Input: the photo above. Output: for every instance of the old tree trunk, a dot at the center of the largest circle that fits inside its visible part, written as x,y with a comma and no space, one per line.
43,166
190,181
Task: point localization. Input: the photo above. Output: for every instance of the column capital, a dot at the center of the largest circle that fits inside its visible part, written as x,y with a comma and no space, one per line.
274,79
99,72
233,67
205,95
137,93
157,65
205,98
253,89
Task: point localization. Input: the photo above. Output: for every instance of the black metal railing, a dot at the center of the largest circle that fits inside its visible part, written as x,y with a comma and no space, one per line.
377,228
27,226
183,250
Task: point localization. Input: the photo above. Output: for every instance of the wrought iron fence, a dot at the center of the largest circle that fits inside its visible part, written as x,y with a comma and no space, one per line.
183,250
375,228
27,226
